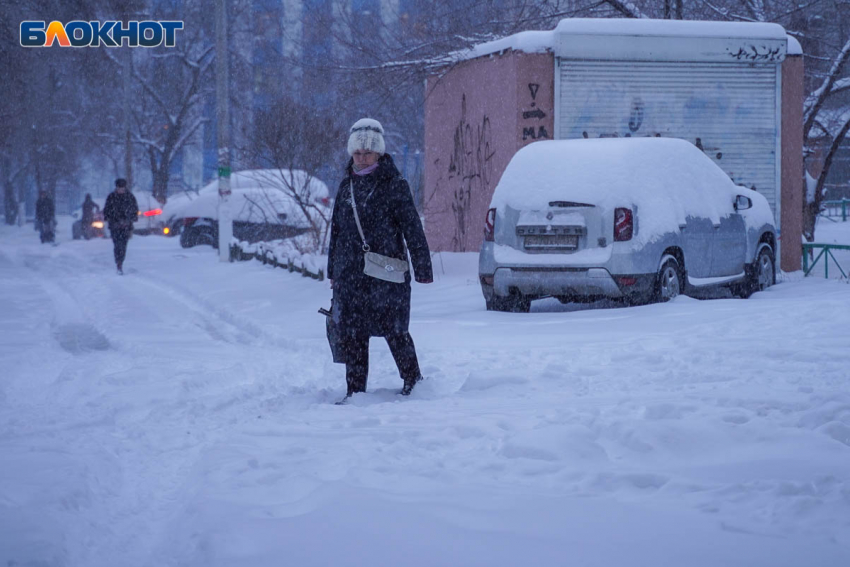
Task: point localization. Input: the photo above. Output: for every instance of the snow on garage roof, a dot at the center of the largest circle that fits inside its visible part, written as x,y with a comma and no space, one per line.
669,28
527,41
575,37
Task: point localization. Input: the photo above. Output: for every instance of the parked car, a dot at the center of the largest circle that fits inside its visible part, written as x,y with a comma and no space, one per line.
150,219
261,204
636,219
258,214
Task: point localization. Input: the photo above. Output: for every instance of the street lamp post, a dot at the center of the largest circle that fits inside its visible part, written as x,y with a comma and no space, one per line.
225,219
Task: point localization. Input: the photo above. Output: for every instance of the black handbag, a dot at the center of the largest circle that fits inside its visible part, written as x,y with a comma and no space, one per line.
334,336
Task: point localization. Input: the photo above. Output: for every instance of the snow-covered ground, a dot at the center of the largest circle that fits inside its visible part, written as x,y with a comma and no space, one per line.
181,415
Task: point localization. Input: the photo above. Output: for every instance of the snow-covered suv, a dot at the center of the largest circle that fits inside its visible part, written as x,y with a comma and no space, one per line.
640,219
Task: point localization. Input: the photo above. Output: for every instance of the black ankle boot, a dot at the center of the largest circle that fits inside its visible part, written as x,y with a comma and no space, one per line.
409,383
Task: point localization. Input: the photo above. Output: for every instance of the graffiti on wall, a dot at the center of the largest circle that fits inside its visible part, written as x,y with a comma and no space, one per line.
753,53
726,121
533,131
469,171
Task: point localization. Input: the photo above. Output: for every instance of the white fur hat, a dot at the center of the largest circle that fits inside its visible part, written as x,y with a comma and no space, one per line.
366,134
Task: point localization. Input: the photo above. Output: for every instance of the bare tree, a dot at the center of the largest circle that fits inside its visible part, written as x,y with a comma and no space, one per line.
825,127
826,47
169,88
292,144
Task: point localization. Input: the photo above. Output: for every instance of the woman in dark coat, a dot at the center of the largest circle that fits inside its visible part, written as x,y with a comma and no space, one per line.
365,306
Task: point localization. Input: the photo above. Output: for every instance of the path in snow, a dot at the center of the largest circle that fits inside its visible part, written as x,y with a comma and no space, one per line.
180,415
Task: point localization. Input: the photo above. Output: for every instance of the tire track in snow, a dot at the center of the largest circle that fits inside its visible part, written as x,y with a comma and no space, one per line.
153,452
212,314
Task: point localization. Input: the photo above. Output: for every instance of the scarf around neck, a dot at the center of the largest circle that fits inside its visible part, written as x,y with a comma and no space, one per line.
365,170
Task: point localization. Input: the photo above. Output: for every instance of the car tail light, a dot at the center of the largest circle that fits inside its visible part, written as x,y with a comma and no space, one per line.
152,213
490,226
623,224
326,201
189,221
627,280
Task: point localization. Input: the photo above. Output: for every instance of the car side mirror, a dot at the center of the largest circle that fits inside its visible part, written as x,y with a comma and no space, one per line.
742,203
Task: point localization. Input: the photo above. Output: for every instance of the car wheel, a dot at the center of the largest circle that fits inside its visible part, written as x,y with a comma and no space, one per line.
668,283
206,236
187,239
763,276
514,303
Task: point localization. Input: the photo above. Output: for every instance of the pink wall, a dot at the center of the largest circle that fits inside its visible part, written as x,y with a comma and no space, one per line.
792,163
535,98
474,124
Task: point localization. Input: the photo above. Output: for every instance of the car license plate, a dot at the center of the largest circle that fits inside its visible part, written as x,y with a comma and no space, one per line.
551,242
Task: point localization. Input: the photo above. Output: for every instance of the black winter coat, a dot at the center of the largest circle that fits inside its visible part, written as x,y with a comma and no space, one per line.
44,210
120,210
364,305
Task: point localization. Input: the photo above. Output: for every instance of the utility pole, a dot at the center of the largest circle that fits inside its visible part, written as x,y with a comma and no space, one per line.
128,84
222,95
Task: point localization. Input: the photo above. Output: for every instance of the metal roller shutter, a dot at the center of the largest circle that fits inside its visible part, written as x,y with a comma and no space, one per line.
727,109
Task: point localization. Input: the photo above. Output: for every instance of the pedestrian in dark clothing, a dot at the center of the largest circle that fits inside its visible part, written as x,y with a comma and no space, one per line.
89,207
364,305
120,211
45,217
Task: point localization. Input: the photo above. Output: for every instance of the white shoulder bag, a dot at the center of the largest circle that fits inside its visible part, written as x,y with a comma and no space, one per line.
377,265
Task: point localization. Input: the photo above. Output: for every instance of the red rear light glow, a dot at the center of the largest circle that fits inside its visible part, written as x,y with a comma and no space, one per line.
152,213
623,224
490,226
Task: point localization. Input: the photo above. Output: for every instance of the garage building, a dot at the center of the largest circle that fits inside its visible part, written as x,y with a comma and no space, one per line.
735,90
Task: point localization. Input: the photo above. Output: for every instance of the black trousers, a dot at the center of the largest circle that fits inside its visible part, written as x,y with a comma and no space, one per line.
357,359
120,236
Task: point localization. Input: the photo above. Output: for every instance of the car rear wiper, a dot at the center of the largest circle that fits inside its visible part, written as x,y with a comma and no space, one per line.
568,204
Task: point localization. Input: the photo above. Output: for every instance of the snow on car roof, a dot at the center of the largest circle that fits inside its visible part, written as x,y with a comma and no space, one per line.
255,204
283,179
146,201
664,179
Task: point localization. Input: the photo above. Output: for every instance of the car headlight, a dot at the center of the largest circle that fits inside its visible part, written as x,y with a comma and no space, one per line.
97,224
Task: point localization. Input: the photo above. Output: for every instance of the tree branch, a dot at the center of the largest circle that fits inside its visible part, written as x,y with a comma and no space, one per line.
819,97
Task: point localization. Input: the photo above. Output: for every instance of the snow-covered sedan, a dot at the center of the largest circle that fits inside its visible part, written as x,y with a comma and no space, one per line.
261,204
638,219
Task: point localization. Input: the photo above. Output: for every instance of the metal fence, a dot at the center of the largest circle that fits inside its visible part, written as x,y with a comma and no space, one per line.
835,210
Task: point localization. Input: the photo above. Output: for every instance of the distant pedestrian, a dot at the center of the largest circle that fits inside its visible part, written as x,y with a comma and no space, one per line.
89,207
45,217
121,211
374,224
